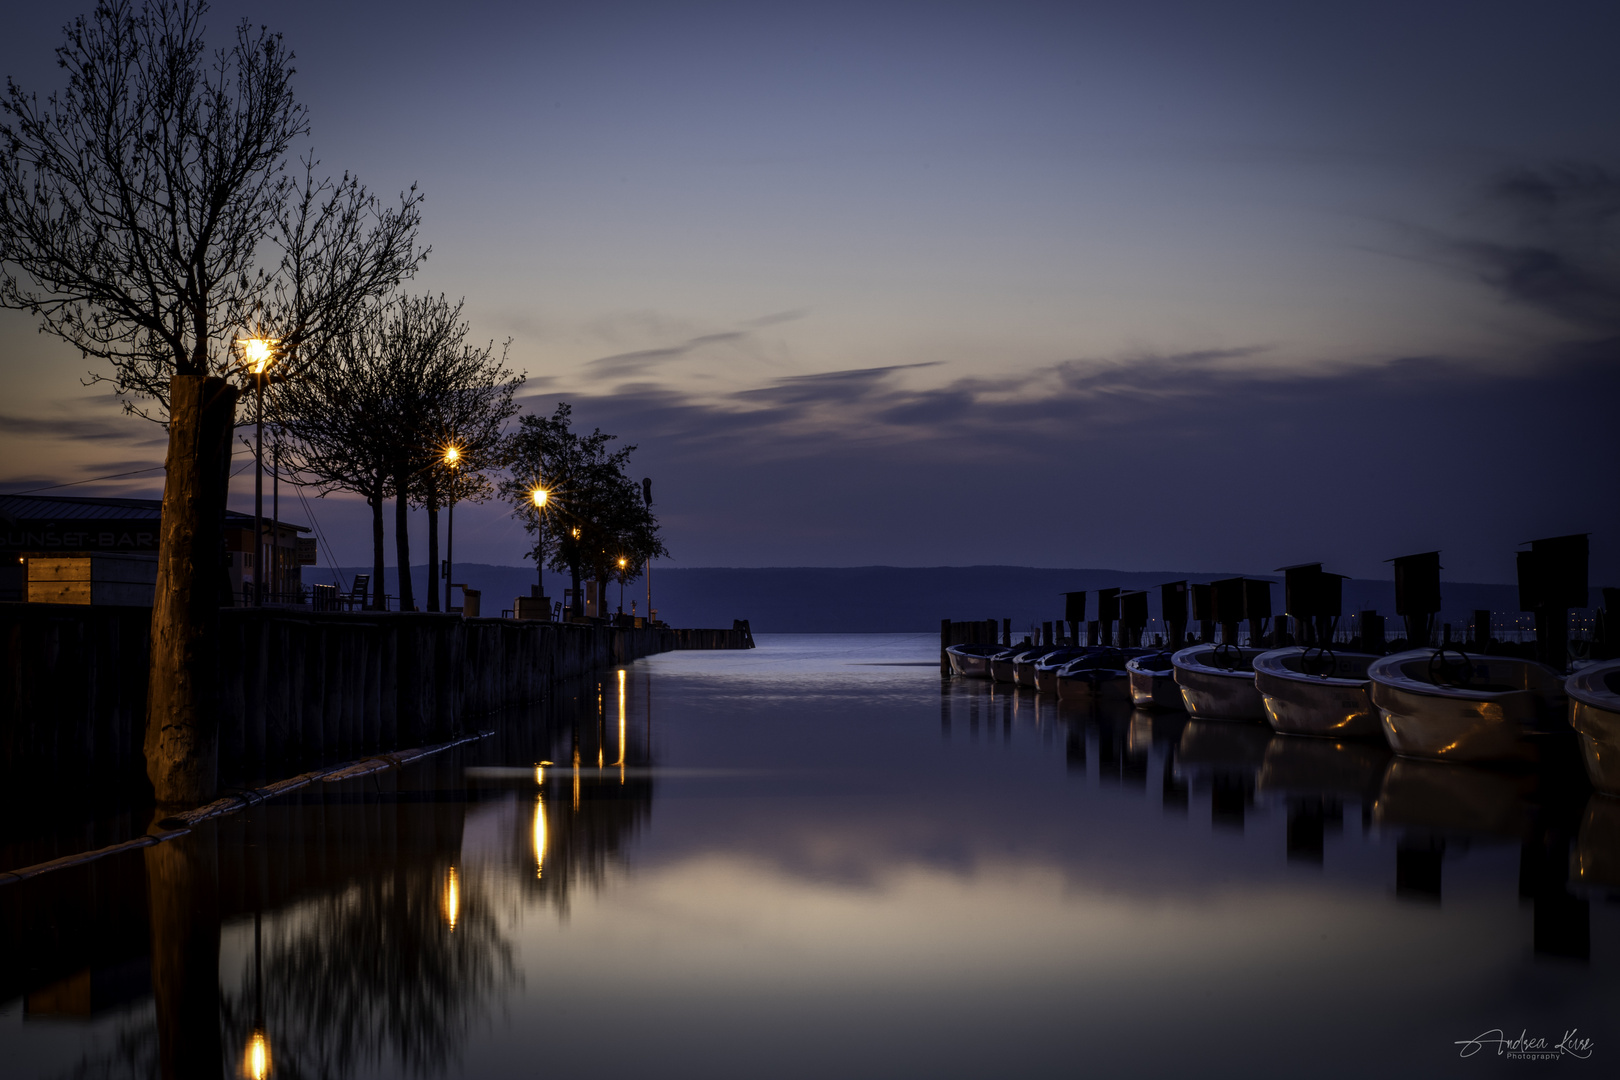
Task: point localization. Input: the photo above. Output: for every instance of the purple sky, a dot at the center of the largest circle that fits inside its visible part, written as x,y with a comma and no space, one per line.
1143,285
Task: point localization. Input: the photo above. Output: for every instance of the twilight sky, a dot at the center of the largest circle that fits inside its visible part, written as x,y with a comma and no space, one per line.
1146,285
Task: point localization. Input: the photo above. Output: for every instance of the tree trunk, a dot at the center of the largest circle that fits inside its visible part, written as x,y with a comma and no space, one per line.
433,546
182,701
379,594
402,538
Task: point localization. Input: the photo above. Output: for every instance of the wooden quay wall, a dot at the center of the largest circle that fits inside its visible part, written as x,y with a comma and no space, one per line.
297,688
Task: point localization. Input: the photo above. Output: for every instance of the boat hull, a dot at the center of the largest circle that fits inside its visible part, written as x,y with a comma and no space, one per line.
1024,674
1046,680
1300,704
1155,689
1594,713
1094,686
970,661
1002,670
1210,693
1421,719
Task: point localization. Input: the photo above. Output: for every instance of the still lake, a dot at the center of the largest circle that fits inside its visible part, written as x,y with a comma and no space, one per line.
818,858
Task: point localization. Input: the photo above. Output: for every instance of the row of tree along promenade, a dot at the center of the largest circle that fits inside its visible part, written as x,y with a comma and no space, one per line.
162,214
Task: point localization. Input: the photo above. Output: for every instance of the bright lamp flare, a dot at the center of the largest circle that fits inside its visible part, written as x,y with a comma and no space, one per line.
257,353
256,1059
452,455
540,496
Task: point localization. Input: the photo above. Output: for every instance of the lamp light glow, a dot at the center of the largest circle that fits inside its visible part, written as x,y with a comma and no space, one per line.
540,495
257,353
451,902
256,1059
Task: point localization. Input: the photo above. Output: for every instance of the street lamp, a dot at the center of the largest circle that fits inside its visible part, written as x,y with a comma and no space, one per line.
540,496
258,354
623,562
452,458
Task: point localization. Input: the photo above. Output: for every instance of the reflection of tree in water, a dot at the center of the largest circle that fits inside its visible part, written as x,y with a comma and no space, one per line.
373,973
596,796
134,1053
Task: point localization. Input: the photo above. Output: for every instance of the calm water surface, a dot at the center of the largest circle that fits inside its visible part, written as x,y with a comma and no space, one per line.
818,859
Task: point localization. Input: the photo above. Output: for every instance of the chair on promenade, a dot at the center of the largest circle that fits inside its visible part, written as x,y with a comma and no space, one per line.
356,600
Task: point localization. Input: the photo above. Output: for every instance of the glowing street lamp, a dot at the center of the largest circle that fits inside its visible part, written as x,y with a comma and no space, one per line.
452,458
258,354
540,496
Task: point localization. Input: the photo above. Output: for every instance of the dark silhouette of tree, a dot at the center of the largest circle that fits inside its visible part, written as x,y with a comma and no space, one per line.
135,206
376,416
595,514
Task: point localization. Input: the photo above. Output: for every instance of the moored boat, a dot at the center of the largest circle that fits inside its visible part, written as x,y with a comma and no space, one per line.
1098,676
1048,666
1023,664
1317,692
1153,681
1217,682
1456,706
1594,713
973,661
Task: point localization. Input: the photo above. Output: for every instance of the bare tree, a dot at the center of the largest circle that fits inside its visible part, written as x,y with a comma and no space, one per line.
378,411
136,210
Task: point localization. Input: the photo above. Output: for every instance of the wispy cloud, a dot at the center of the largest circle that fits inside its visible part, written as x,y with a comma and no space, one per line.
1560,248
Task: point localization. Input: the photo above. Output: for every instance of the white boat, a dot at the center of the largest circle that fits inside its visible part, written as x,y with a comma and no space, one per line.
1594,713
1316,692
1097,677
1217,682
1001,664
973,661
1048,666
1455,706
1153,682
1024,664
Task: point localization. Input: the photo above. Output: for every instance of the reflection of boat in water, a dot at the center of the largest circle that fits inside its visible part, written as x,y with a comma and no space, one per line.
1216,746
1153,682
1097,677
1594,713
1295,766
1217,682
1447,798
1317,692
973,661
1456,706
1048,666
1596,859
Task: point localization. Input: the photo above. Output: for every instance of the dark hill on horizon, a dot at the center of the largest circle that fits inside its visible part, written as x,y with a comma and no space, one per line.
892,599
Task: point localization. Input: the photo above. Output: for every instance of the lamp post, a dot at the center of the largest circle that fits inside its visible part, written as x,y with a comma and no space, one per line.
623,562
540,496
452,457
257,355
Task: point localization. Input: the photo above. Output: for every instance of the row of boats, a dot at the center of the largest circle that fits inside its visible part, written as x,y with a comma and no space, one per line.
1444,704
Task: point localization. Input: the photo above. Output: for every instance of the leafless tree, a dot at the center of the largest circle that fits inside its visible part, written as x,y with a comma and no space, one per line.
377,413
147,217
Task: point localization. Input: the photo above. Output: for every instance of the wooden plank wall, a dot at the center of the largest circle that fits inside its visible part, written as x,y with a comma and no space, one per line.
298,689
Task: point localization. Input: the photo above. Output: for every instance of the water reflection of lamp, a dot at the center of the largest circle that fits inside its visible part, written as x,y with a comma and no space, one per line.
256,1060
256,1057
620,762
451,903
539,835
